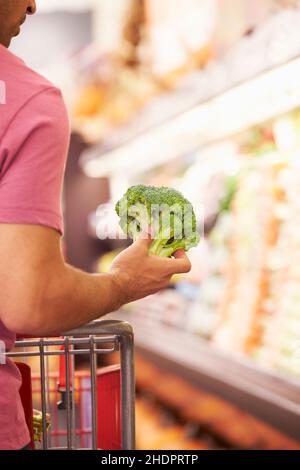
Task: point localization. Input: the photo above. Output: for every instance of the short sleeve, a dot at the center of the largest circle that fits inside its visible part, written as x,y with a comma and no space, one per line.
33,154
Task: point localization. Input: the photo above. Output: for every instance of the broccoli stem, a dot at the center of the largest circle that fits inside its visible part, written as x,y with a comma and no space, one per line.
159,248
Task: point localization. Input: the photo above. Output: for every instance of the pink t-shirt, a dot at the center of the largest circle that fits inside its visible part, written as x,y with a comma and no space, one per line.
34,140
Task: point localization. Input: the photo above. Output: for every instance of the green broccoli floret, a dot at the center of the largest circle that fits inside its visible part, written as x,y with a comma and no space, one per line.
170,216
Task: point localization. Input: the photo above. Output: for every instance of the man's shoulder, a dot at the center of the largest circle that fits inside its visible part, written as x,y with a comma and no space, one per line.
22,88
20,81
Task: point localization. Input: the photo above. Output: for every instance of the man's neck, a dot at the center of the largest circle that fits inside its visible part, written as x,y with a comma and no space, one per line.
4,43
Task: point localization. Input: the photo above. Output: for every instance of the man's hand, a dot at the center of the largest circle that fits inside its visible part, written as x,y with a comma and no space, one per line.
138,275
42,295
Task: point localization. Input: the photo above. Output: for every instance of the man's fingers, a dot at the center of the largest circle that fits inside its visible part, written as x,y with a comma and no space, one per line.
144,241
180,254
180,264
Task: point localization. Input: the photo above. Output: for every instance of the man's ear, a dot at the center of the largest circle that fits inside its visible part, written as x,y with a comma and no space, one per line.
31,9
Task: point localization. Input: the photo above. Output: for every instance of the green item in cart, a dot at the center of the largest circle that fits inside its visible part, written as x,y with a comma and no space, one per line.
38,425
165,211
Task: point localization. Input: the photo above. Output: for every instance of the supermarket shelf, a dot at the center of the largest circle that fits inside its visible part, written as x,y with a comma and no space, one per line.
269,396
255,81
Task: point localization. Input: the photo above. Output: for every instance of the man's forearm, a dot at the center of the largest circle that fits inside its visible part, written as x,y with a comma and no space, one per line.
72,298
41,294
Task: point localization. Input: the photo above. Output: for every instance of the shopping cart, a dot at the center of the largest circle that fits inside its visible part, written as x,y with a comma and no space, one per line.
89,408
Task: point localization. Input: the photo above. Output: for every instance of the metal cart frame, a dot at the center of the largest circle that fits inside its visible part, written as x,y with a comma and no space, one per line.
103,332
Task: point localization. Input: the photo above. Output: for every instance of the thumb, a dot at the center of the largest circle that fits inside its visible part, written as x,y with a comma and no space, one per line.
144,240
180,263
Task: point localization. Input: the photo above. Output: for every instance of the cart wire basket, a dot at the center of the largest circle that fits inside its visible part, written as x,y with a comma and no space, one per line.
89,408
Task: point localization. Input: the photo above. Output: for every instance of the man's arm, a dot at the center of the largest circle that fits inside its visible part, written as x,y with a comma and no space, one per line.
42,295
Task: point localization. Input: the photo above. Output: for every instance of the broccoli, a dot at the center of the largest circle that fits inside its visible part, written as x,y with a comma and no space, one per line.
169,215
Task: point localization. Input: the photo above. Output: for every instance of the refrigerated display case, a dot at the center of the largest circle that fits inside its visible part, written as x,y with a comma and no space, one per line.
228,138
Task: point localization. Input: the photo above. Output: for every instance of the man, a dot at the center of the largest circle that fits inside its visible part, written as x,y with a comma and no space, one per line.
40,293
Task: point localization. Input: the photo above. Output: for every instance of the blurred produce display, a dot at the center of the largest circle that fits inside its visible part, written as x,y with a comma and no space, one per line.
167,105
242,293
114,86
109,98
260,310
160,45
